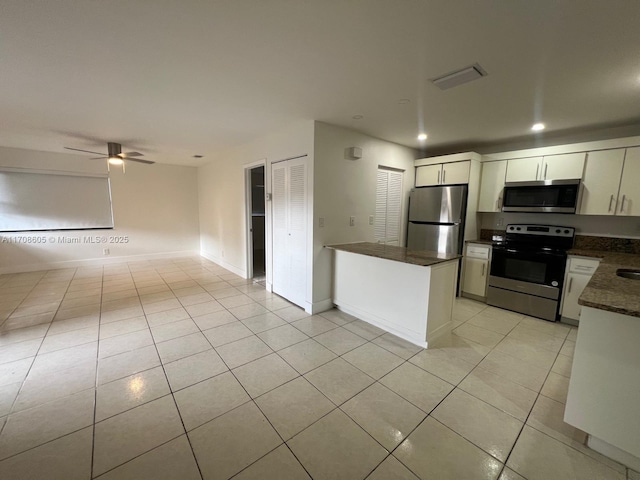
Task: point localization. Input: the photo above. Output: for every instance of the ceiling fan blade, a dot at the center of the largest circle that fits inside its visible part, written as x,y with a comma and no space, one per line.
99,158
132,154
139,160
85,151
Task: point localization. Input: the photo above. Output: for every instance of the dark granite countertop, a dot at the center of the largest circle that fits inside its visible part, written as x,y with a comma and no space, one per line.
422,258
607,291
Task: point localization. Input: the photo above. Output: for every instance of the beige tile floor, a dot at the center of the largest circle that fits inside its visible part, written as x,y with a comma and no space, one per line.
178,369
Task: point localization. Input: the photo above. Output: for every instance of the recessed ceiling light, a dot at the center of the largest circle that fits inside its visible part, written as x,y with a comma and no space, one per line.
357,117
422,137
403,101
537,127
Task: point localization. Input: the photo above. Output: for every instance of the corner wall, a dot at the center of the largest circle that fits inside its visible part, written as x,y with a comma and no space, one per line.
154,206
345,188
222,200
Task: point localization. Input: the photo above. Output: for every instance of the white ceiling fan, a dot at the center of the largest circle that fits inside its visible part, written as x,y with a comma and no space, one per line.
115,156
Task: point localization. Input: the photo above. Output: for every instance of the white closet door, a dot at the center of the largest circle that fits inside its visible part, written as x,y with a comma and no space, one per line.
280,228
394,208
289,206
297,238
380,228
388,206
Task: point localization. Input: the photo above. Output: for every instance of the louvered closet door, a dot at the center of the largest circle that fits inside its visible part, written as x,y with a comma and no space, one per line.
388,206
290,197
280,228
297,244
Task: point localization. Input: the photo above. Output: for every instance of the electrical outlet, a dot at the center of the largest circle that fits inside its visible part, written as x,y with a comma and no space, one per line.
105,251
352,221
321,222
500,221
370,219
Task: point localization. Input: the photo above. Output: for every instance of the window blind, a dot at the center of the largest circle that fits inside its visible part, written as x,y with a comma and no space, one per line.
33,200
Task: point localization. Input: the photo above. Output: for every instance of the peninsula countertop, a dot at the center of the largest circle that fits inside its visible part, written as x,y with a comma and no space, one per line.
423,258
606,290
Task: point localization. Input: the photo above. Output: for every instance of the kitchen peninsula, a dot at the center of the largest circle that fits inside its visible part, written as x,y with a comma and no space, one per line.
604,390
407,293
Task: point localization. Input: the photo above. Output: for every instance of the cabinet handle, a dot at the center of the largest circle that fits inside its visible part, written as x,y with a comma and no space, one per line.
444,173
622,204
438,178
610,202
545,170
483,265
570,282
537,170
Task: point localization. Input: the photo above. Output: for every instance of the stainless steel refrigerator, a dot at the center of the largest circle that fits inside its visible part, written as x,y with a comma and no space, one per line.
436,218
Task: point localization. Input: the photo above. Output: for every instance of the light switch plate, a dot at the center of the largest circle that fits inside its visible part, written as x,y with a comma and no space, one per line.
352,221
370,219
321,222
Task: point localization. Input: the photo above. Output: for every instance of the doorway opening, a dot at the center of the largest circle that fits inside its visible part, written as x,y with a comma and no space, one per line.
256,258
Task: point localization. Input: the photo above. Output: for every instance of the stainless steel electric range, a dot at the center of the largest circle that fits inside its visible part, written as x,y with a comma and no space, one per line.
527,269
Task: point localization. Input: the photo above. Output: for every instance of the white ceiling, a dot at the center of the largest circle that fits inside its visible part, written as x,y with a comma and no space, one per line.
173,78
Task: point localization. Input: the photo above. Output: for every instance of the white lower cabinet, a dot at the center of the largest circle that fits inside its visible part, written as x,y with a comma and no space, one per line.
476,271
579,272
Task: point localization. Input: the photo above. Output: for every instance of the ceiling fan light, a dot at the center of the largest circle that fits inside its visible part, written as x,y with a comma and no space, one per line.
115,161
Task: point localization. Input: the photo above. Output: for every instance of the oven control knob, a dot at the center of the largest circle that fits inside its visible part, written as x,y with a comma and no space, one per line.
558,231
518,229
554,284
566,231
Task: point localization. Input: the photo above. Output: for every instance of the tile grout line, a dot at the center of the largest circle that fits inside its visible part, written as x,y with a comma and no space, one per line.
11,412
95,391
195,458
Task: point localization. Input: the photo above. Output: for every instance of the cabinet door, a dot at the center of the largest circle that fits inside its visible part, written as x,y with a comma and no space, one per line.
572,291
630,184
601,182
455,173
563,167
428,175
475,276
524,169
491,186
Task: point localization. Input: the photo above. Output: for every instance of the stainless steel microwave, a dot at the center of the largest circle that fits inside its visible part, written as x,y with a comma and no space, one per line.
542,196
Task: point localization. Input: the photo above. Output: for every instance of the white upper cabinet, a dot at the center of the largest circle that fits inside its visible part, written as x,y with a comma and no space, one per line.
552,167
567,166
492,186
443,174
524,169
455,173
630,183
601,182
428,175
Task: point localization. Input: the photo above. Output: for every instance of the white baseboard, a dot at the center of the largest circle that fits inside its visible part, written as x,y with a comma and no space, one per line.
613,452
368,317
322,306
219,261
93,262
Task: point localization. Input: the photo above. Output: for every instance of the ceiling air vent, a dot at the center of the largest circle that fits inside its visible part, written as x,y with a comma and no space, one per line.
459,77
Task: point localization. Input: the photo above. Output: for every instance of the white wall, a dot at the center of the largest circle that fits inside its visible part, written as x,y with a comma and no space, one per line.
222,201
345,188
596,225
155,206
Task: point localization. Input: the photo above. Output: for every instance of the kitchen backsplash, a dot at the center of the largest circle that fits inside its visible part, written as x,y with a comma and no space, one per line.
614,226
586,242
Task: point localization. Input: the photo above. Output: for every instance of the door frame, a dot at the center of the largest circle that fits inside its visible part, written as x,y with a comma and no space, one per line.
247,213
